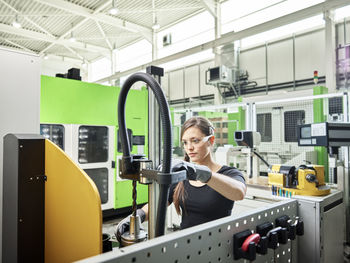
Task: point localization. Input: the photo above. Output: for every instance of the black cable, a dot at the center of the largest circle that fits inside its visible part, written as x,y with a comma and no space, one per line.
167,136
262,159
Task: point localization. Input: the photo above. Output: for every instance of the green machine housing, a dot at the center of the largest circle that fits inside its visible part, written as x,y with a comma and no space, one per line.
66,101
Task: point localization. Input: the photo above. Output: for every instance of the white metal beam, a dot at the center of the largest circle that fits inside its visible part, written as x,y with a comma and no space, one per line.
43,37
18,45
65,34
159,10
87,13
210,6
104,35
74,52
233,36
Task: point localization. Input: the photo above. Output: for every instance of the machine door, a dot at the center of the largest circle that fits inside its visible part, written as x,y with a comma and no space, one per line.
93,150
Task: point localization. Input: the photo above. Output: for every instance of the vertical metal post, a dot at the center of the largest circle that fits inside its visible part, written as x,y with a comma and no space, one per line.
330,50
293,61
154,150
266,69
253,118
344,42
346,173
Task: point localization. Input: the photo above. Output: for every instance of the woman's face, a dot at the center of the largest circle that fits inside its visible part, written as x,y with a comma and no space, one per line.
196,144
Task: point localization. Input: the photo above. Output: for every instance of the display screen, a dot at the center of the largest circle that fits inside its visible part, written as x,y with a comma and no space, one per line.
305,132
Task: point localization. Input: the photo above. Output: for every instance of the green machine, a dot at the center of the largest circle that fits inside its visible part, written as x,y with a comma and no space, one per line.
82,119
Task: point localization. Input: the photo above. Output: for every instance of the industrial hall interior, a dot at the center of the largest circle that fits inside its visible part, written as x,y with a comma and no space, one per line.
174,131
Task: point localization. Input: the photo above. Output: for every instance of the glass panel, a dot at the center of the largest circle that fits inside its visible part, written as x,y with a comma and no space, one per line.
291,121
264,126
100,178
93,144
53,132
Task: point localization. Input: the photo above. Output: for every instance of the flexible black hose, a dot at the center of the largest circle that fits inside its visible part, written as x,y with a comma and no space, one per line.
167,135
262,159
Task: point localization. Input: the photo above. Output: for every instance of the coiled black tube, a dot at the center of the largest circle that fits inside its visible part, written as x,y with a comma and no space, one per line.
167,145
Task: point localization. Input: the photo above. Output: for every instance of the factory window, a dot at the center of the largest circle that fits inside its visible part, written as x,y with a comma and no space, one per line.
53,132
264,126
217,124
291,121
224,125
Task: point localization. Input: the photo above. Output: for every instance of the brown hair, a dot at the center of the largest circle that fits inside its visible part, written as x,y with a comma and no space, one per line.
207,129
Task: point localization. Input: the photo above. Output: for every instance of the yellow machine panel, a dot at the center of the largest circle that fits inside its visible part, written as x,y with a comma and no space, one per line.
73,216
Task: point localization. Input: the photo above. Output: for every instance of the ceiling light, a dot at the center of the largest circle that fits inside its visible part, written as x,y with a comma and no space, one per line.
114,10
72,38
155,24
46,56
115,49
84,64
16,23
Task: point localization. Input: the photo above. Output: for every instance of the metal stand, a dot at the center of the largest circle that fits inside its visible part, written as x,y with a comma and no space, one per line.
154,146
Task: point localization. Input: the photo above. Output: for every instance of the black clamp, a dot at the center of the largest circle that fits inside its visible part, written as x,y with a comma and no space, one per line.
164,178
293,228
247,244
299,226
135,167
238,252
285,222
130,167
266,230
171,178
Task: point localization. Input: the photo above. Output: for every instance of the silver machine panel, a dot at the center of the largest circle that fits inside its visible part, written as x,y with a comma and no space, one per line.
209,242
324,228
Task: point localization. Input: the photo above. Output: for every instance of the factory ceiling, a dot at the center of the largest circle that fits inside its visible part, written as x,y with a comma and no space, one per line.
88,29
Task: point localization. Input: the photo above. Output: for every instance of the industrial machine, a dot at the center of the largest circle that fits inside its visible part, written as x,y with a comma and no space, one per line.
285,180
304,180
84,124
336,137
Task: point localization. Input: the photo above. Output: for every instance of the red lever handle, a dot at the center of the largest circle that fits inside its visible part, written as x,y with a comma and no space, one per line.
252,238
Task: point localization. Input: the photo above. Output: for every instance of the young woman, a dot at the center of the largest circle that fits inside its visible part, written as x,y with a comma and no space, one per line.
212,195
210,189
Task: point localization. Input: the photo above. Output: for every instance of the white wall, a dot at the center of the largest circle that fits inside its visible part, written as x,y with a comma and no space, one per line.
19,100
308,52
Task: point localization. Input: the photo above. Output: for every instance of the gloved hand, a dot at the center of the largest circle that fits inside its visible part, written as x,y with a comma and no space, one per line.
124,225
194,171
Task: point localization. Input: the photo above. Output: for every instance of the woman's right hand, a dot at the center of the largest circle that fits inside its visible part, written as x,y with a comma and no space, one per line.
194,171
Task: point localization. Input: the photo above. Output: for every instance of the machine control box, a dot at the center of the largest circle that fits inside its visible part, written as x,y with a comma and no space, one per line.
220,74
324,134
